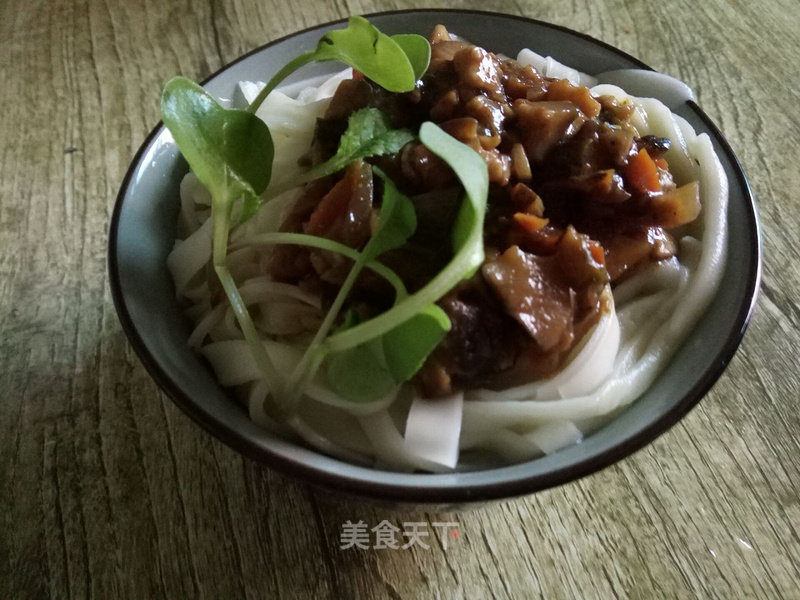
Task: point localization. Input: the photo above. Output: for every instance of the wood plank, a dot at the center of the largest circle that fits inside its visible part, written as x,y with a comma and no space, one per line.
108,490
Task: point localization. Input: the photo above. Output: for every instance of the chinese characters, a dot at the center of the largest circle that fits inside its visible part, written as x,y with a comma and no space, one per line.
387,535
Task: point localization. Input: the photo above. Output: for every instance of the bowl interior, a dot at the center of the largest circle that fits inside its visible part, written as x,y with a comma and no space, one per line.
142,234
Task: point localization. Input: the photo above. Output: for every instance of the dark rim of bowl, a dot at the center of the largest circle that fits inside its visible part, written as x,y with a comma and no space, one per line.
446,493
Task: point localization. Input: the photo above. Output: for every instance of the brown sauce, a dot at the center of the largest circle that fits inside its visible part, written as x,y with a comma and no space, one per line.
578,200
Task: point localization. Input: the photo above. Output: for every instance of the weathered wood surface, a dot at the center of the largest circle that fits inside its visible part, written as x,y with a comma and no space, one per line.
108,491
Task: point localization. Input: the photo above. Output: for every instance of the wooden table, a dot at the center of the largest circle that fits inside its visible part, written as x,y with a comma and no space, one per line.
109,491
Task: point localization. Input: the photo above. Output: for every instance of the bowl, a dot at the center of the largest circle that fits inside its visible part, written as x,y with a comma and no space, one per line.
142,233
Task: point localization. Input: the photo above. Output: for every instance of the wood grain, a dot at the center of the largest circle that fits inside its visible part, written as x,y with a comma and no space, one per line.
108,491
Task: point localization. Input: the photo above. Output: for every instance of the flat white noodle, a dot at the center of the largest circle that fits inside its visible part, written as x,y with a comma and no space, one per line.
324,444
616,362
341,428
226,329
555,436
189,256
197,293
192,194
291,121
390,446
546,439
649,340
233,364
205,325
268,218
256,396
511,446
260,289
433,428
550,67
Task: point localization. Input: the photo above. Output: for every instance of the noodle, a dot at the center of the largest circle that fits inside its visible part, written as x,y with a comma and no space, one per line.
652,312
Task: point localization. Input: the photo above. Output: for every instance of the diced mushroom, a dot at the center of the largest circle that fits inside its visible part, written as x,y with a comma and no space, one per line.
534,295
546,124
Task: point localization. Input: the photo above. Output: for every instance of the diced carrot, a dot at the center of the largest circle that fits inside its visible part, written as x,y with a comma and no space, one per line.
597,252
661,163
333,206
642,173
530,223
